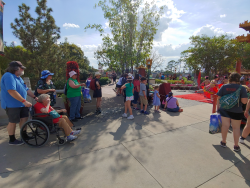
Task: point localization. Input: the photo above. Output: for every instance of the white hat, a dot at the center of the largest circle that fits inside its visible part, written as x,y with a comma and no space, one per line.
72,73
97,73
129,74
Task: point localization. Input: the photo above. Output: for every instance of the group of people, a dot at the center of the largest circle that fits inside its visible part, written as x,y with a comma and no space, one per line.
173,77
135,89
14,93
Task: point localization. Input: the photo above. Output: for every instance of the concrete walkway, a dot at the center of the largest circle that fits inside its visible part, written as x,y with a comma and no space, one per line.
159,150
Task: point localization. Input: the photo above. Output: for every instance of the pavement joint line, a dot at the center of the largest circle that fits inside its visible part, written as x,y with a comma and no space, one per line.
238,175
142,165
222,172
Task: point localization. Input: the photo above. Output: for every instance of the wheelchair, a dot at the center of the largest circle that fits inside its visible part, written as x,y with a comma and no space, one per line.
39,129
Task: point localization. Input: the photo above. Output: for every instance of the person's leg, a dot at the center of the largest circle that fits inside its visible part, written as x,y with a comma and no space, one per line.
141,103
246,130
73,106
63,124
236,130
125,107
145,108
11,128
158,108
129,107
67,120
78,107
99,102
224,128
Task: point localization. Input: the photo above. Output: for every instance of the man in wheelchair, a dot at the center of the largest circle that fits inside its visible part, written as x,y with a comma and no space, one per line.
43,106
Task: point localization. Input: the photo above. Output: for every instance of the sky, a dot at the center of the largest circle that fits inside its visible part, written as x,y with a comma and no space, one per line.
181,19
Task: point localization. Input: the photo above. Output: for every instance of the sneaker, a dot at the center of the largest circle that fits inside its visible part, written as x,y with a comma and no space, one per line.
157,111
131,117
26,137
241,141
124,115
71,138
16,143
136,108
222,144
142,111
236,148
146,113
76,132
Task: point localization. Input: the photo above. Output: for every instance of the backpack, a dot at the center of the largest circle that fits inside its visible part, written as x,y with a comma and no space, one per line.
92,84
124,80
230,100
36,93
65,89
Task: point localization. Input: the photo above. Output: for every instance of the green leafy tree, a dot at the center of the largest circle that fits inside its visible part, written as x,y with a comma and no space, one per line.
132,29
213,54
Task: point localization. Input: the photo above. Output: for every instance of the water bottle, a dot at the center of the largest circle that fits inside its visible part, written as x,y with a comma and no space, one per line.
54,94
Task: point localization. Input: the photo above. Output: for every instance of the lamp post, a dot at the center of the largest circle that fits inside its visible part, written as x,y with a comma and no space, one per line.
149,63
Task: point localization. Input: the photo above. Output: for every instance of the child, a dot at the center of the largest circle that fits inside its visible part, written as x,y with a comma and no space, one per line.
98,93
129,97
89,80
156,101
143,95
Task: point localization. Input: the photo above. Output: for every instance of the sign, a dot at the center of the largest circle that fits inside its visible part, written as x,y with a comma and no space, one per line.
1,28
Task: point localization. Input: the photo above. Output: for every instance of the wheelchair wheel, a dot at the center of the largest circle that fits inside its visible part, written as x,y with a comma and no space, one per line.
37,133
61,141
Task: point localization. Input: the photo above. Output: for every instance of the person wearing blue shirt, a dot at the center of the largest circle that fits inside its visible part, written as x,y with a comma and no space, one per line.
13,99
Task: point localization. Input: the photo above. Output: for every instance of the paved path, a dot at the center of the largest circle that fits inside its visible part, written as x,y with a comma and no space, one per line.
159,150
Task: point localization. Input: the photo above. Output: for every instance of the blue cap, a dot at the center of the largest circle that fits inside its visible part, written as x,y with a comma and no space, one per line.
46,73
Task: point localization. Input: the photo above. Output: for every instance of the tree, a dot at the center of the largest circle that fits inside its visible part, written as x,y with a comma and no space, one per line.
157,60
170,66
133,29
212,53
37,35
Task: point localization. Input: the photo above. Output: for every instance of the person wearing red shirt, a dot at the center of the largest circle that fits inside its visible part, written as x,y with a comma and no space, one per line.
43,106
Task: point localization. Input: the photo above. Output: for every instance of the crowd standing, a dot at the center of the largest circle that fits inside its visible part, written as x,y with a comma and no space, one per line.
14,93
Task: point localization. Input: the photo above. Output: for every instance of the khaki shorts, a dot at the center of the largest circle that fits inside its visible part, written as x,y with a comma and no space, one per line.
143,100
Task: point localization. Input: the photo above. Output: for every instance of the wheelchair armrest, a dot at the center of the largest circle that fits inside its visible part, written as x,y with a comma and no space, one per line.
41,114
57,108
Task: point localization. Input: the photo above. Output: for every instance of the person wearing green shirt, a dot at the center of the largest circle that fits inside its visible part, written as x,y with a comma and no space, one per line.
74,96
129,97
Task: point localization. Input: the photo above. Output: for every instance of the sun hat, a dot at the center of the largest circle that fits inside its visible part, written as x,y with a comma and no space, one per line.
97,74
129,79
46,73
72,73
17,64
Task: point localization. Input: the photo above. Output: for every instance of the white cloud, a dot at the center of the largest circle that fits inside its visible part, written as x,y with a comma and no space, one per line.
211,31
68,25
106,25
223,15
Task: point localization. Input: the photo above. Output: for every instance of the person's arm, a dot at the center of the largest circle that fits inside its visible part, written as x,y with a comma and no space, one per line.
218,103
177,103
244,100
46,110
72,84
144,94
123,87
165,106
247,109
18,97
158,96
31,94
44,91
133,90
138,88
98,85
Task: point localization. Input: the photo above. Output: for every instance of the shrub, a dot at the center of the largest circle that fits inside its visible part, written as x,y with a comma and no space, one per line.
104,80
158,81
172,81
59,84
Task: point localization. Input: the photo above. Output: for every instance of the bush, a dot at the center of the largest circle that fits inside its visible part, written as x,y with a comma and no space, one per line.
104,80
172,81
59,84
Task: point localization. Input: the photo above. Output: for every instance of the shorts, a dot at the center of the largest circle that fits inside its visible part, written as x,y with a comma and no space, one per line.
118,86
114,79
173,109
130,98
231,115
136,97
143,100
15,114
97,93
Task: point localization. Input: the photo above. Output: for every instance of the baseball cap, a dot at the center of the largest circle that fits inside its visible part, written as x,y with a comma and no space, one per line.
17,64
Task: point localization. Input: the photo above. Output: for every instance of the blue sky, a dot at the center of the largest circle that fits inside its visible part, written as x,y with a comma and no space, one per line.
182,19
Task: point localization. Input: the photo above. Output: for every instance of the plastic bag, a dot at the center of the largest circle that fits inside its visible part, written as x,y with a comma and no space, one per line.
86,95
215,123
